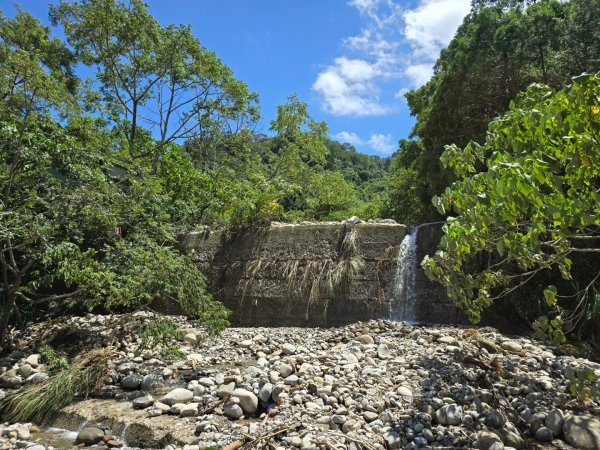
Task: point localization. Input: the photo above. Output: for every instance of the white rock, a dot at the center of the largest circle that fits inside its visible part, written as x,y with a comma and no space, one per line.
384,352
248,401
178,395
285,370
33,360
190,339
189,410
288,349
25,370
405,392
512,346
225,390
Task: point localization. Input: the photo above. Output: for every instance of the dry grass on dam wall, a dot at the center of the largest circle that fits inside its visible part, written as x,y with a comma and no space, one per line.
317,274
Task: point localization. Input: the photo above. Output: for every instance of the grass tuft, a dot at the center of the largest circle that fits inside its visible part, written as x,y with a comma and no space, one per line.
350,243
40,402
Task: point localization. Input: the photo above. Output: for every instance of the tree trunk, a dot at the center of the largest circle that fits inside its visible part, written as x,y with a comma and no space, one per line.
133,130
9,303
17,313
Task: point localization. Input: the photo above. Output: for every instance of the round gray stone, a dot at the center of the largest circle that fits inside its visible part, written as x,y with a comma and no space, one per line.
178,395
449,414
233,410
489,441
265,392
582,432
554,421
152,381
392,440
131,381
543,434
89,436
143,402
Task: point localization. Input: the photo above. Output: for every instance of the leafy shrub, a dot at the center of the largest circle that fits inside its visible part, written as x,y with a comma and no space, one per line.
161,333
533,208
130,276
583,384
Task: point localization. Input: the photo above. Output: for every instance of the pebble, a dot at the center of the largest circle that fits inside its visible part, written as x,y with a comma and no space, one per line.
449,414
190,339
233,410
285,370
288,349
392,440
366,339
554,422
512,346
489,441
543,434
248,401
131,381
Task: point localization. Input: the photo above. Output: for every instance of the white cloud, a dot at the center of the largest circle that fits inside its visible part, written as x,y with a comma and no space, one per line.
347,88
395,45
383,144
401,93
428,28
432,24
419,73
364,5
349,137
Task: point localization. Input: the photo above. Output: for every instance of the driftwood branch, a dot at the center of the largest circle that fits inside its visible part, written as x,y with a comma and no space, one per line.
51,298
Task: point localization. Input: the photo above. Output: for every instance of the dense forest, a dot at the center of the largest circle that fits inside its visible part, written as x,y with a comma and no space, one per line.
99,174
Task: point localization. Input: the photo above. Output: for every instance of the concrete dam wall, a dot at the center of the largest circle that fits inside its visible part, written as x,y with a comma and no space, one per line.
317,274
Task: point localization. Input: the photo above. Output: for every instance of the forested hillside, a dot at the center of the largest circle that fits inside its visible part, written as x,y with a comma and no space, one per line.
514,170
99,174
501,48
127,132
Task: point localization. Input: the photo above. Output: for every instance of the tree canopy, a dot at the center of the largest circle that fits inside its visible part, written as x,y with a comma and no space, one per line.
157,76
533,207
499,50
98,176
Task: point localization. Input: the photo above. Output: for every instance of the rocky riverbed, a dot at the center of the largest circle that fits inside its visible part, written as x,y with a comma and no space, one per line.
375,385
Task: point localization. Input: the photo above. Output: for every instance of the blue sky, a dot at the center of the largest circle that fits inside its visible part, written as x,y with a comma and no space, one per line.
350,60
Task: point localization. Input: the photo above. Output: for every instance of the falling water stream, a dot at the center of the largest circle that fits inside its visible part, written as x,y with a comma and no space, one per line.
403,306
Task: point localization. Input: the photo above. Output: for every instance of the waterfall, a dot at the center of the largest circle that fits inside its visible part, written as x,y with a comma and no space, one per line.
403,306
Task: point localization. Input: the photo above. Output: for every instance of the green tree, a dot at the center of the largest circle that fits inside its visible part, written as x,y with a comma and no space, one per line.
499,50
533,208
328,192
157,76
36,80
74,225
299,141
407,195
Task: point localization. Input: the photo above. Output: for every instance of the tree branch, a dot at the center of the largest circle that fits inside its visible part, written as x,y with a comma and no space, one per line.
50,298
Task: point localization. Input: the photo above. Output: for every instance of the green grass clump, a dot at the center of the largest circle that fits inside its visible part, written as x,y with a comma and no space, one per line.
54,362
40,402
